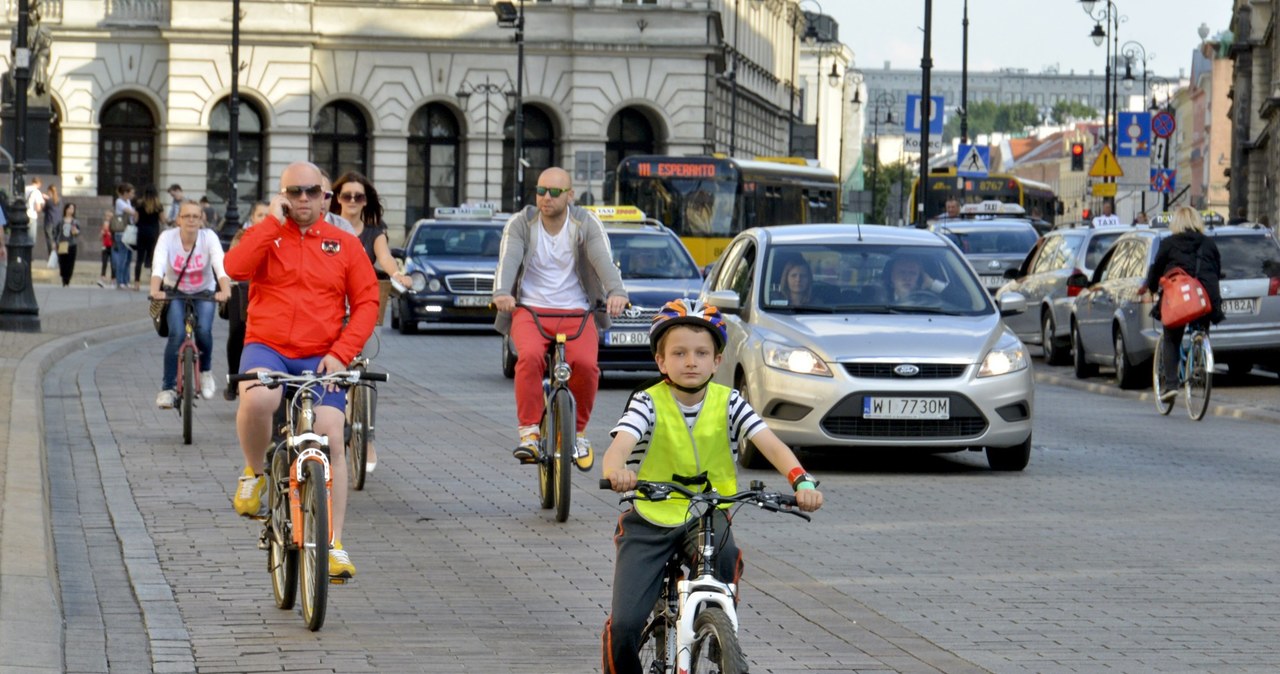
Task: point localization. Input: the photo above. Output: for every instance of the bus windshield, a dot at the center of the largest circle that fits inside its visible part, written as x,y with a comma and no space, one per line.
690,207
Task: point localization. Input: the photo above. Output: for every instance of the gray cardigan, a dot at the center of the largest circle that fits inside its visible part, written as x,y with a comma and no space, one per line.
599,277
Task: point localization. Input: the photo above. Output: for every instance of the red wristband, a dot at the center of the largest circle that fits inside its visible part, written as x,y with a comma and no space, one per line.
795,473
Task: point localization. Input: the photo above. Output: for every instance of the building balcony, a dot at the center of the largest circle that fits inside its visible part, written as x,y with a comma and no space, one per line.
136,12
50,10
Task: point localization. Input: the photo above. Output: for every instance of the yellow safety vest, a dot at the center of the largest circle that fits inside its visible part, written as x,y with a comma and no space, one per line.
675,449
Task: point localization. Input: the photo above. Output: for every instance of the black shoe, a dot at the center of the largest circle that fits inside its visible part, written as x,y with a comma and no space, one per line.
230,393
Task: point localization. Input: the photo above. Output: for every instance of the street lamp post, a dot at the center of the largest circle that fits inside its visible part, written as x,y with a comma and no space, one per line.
887,101
964,76
510,17
18,308
231,222
464,93
926,70
1131,50
833,78
1106,32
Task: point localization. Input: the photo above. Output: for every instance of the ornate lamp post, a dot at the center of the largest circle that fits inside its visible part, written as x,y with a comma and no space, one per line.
231,219
1106,32
510,17
464,93
18,308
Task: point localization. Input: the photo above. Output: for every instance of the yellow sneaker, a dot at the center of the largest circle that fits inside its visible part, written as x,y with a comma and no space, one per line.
340,565
583,456
527,450
248,497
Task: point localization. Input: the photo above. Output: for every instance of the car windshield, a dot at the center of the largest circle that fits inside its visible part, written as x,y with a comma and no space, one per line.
457,241
1255,256
867,278
992,240
651,256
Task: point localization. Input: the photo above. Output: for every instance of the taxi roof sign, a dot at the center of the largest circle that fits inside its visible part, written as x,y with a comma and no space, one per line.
465,212
992,207
617,213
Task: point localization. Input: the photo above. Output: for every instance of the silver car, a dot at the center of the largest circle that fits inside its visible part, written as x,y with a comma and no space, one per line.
854,360
1111,323
1042,279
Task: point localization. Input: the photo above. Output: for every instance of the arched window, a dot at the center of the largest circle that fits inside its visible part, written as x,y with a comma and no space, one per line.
434,162
126,146
630,133
340,140
250,157
539,149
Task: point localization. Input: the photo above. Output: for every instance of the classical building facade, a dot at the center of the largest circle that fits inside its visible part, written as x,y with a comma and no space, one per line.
416,94
1255,109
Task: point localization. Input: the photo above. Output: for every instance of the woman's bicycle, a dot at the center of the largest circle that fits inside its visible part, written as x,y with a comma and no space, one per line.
1195,372
297,529
694,625
362,401
188,382
558,426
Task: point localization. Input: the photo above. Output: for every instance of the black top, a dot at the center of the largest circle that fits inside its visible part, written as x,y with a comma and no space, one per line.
367,236
1195,254
149,220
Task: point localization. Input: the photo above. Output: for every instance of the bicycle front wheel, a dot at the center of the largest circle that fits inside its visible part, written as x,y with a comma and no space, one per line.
282,557
188,393
715,645
315,546
1199,378
546,456
1162,406
564,447
358,444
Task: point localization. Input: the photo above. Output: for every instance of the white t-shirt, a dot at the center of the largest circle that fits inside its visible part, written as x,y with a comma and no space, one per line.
35,204
123,206
204,269
550,280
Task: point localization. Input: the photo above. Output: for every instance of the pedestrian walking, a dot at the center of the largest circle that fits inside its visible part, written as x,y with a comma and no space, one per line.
150,220
67,240
123,214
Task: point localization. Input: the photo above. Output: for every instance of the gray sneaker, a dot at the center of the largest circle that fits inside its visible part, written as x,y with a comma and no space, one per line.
166,399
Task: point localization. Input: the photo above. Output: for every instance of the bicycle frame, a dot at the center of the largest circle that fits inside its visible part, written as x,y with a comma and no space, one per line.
1185,349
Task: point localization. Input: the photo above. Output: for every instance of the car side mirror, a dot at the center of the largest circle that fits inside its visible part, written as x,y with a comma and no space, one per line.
1012,304
398,253
724,300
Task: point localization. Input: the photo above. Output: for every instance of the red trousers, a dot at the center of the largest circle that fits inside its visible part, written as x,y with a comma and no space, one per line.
531,349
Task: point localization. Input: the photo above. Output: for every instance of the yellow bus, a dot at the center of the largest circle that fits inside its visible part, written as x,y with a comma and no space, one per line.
943,184
708,200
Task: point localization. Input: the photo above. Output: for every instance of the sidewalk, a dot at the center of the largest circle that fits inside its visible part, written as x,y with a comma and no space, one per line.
72,318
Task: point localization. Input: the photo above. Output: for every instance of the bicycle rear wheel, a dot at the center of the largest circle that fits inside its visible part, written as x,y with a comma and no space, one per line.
715,645
282,557
358,441
653,644
1199,378
314,576
564,447
1162,406
188,388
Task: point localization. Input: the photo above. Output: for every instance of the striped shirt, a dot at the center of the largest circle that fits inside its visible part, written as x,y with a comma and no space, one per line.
640,417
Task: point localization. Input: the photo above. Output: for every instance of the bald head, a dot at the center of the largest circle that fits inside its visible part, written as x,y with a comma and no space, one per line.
554,181
302,184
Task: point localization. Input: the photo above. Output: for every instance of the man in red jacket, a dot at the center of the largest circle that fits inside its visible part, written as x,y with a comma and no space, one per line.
304,273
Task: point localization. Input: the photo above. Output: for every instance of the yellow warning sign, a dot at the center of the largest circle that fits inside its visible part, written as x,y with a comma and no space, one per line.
1105,166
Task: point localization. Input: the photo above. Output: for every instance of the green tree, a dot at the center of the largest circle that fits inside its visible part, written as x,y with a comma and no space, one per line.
986,117
885,178
1065,111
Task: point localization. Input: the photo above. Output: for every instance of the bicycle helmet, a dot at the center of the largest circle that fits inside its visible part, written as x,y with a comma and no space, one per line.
688,312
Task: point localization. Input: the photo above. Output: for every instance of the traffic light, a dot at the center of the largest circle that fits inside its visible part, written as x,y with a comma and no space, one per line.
1077,156
1085,214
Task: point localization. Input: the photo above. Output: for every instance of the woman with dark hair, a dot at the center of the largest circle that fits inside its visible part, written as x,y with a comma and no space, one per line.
356,200
66,236
150,217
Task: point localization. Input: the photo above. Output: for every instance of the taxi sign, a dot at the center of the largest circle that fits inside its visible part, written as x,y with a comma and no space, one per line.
617,213
1106,166
464,212
992,207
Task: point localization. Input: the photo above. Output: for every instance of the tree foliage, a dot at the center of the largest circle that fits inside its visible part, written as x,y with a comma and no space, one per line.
1065,111
986,117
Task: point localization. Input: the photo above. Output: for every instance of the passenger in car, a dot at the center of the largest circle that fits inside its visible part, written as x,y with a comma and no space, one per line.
795,285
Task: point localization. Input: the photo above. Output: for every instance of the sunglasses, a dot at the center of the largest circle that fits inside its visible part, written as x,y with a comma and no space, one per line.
296,191
555,192
351,197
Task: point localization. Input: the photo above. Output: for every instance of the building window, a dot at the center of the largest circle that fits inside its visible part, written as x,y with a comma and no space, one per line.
340,140
539,147
434,162
126,146
630,133
250,157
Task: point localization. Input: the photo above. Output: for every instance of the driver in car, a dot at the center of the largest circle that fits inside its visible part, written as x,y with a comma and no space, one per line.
906,275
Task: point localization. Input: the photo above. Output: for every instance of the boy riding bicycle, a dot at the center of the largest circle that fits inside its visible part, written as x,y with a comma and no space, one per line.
665,437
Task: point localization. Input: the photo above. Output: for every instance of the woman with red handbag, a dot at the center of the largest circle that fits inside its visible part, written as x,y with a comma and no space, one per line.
1190,250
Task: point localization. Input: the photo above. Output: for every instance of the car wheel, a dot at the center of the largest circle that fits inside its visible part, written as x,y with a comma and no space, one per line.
748,455
1055,352
1010,458
408,324
1084,369
508,359
1239,369
395,315
1128,375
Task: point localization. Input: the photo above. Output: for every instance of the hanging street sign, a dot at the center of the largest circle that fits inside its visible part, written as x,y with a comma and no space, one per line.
1105,166
1164,180
1163,124
1135,134
973,161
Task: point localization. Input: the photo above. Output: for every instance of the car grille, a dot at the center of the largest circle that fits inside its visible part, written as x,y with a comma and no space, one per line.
845,420
469,283
885,370
635,317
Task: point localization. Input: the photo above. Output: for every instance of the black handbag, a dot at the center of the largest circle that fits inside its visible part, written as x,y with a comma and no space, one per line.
160,308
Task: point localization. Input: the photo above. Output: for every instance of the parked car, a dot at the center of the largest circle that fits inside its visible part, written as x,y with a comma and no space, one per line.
861,364
656,268
1111,323
1042,279
451,258
993,237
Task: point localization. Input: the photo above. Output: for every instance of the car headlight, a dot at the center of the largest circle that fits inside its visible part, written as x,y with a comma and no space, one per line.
794,359
419,281
1008,355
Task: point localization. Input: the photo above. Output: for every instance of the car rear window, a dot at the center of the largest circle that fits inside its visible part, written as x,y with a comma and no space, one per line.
993,242
1098,246
1248,256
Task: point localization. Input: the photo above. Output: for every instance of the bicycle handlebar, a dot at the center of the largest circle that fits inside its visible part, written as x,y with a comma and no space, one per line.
582,315
275,379
171,294
661,491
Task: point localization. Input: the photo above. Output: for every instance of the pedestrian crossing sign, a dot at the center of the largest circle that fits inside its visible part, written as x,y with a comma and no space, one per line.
1106,166
973,161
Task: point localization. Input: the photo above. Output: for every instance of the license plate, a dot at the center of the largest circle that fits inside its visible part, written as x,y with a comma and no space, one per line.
992,281
627,338
1244,306
906,408
471,301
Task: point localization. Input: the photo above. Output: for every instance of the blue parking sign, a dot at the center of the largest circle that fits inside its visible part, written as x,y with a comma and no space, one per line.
915,116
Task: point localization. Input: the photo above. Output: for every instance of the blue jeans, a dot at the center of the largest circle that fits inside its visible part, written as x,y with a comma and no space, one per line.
121,255
178,332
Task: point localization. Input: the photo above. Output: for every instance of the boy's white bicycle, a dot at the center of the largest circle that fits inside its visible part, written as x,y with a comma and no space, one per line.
694,626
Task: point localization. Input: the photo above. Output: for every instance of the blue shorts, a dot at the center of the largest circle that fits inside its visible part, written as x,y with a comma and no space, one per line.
260,356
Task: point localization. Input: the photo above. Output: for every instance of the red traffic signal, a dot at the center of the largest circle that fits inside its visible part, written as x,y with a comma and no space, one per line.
1085,214
1077,156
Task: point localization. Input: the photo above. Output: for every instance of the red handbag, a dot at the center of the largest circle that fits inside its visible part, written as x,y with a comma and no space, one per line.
1182,299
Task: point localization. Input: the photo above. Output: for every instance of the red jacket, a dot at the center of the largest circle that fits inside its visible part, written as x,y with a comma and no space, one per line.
300,285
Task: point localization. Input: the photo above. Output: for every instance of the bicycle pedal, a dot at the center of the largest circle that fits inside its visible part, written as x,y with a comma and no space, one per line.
338,580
